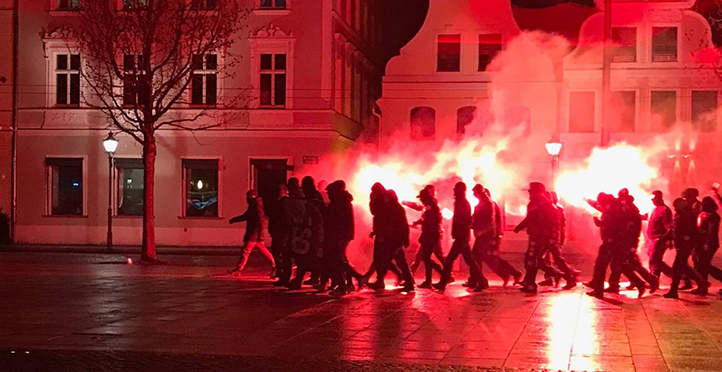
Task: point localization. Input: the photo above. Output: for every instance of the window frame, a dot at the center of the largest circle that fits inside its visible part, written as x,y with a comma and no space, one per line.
636,45
273,72
137,74
437,54
117,166
651,44
272,45
49,185
613,96
54,72
55,6
122,7
184,187
708,112
479,50
204,85
677,100
422,138
272,8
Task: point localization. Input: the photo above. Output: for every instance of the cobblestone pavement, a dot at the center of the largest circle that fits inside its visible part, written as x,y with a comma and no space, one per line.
87,312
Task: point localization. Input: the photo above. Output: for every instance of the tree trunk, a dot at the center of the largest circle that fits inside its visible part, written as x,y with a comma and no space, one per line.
149,155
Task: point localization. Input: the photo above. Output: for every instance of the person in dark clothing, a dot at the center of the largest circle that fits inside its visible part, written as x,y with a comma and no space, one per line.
338,233
279,229
708,227
306,217
690,196
377,203
392,236
430,239
461,233
658,239
541,224
684,230
486,240
316,202
438,251
555,250
253,238
626,257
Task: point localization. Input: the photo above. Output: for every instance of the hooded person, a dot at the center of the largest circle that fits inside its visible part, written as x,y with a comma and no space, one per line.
555,250
708,228
306,216
686,234
430,191
255,220
541,223
378,201
658,235
430,239
392,236
338,233
316,203
279,227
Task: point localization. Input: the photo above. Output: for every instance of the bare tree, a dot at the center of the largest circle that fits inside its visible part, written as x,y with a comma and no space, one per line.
142,71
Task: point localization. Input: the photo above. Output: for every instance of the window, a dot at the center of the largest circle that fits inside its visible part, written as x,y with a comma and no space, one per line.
448,57
204,4
664,44
581,112
624,111
68,4
464,117
200,180
135,89
67,79
625,41
273,80
204,82
135,4
130,186
273,4
423,123
65,186
489,47
664,110
704,107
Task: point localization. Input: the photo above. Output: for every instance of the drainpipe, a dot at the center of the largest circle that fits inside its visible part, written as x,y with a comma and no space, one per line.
14,119
606,71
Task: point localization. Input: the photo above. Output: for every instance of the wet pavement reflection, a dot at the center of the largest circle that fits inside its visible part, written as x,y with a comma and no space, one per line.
193,309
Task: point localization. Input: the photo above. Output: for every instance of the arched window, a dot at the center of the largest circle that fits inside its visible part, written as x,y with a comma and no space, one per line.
518,116
464,116
423,123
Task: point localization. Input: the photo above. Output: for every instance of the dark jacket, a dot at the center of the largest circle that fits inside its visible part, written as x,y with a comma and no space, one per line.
254,223
484,221
339,219
659,222
430,225
393,226
709,230
461,223
685,228
306,221
278,221
541,221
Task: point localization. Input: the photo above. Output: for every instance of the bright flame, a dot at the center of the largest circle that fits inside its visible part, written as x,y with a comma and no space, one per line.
447,213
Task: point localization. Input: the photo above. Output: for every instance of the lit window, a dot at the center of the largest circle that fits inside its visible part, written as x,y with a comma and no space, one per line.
581,112
204,83
273,80
464,117
68,4
664,44
135,89
625,42
704,106
423,123
624,111
664,110
273,4
67,79
489,47
65,186
130,186
200,183
204,4
448,58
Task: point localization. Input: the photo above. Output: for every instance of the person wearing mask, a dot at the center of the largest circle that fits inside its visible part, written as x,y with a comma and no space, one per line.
306,230
684,231
392,236
461,233
279,228
438,251
377,202
253,238
338,233
316,204
658,237
708,225
430,239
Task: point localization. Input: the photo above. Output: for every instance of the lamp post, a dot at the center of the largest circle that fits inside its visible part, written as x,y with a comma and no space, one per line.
553,149
110,144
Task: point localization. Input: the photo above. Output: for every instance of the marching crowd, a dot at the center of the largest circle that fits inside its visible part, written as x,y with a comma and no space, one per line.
311,230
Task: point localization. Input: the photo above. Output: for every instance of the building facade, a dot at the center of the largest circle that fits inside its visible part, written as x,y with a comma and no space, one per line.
664,77
7,21
312,74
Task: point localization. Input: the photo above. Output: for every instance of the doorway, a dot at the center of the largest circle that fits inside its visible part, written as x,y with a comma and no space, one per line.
266,175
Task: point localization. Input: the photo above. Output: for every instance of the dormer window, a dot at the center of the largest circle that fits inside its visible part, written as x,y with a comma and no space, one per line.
664,44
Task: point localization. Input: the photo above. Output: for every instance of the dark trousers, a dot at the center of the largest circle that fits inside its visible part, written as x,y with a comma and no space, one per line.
680,268
603,260
426,253
703,263
285,265
461,247
555,254
630,260
656,261
485,252
392,255
534,260
379,255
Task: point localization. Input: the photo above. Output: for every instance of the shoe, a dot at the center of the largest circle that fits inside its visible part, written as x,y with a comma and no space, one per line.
425,285
596,294
452,279
548,282
518,279
280,283
484,285
654,286
631,286
528,289
557,279
469,285
671,295
480,288
570,284
293,286
641,290
321,288
687,285
232,271
612,289
589,284
338,292
350,288
376,285
406,288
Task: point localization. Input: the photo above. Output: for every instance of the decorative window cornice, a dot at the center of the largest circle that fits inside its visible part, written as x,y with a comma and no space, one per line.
271,31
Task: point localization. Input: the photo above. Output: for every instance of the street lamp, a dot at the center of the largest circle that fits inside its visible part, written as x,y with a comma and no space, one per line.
110,144
553,149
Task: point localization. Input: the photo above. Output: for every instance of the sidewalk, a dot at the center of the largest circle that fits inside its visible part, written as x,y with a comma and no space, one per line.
120,249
